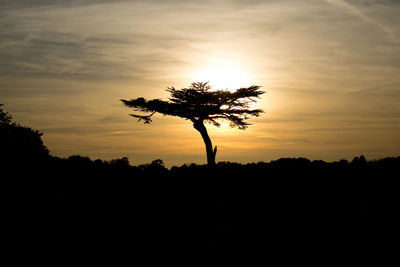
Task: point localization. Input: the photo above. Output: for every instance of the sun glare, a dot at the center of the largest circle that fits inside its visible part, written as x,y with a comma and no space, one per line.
224,77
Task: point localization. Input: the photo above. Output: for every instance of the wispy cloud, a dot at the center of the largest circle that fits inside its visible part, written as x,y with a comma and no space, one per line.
353,10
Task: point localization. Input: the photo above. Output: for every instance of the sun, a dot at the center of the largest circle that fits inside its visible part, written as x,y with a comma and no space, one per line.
224,76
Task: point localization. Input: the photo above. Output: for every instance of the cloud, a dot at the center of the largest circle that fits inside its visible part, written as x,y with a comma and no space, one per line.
26,4
353,10
28,51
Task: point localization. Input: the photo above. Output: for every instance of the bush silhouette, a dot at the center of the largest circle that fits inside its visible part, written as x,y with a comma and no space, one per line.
20,143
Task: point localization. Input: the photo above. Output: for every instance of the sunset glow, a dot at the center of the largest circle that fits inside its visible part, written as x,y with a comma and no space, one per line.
224,76
330,70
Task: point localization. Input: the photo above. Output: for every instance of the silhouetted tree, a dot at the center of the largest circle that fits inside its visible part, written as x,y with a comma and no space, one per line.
19,143
156,166
199,104
124,161
5,117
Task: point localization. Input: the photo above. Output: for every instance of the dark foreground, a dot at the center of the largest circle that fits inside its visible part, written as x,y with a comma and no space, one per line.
79,204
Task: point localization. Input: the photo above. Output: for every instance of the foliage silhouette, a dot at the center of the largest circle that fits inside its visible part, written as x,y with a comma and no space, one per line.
199,104
20,143
5,117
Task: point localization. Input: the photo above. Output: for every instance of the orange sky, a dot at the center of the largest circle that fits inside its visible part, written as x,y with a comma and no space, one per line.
330,68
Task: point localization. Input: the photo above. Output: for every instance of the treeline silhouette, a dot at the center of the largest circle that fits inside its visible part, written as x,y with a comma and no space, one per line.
77,200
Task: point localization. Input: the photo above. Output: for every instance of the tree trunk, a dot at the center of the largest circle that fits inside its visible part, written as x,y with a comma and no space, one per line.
199,126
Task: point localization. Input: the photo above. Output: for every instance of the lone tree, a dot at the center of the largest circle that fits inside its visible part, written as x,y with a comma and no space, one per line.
199,104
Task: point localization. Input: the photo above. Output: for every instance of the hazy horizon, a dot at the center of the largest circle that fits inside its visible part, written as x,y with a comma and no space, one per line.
330,69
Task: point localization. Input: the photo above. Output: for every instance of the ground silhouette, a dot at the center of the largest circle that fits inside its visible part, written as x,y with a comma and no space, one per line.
77,201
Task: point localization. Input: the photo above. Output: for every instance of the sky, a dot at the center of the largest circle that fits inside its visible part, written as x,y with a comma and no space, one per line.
330,69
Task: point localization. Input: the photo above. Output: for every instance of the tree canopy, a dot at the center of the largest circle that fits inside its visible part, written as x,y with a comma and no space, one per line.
199,103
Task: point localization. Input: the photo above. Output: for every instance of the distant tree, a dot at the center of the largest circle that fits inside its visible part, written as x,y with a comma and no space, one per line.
359,160
121,163
155,167
199,104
